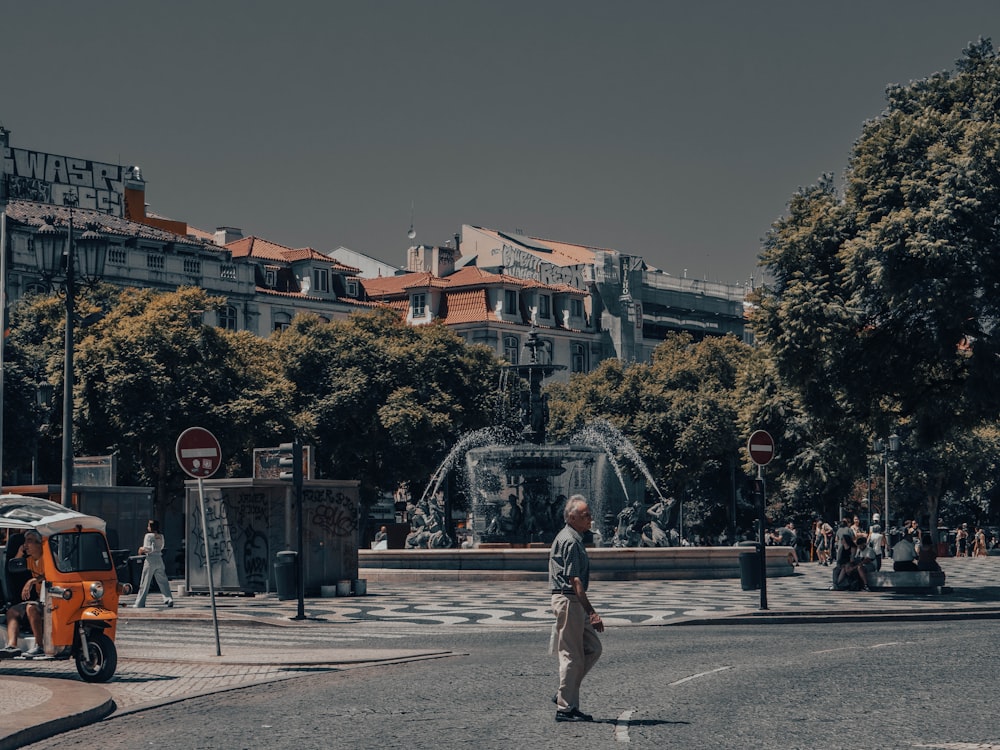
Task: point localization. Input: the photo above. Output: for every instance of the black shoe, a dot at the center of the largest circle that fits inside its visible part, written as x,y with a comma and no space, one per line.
573,715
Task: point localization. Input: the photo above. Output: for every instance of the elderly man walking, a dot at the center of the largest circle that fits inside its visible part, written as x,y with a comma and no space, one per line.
577,624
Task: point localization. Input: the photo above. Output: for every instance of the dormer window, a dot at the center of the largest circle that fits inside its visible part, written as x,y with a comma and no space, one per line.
576,308
352,287
419,305
321,279
270,278
510,302
544,306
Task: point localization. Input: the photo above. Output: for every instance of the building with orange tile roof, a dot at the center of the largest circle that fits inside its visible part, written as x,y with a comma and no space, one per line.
493,309
633,306
492,287
265,284
587,303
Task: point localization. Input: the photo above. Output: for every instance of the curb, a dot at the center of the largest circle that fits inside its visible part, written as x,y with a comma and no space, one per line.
792,618
77,715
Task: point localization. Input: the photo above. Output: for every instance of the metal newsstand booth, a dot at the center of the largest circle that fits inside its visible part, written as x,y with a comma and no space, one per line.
250,521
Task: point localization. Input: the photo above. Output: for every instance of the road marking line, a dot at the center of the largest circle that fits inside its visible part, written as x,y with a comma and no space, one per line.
621,726
700,674
862,648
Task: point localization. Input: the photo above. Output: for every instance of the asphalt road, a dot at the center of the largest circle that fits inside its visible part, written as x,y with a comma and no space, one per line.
844,685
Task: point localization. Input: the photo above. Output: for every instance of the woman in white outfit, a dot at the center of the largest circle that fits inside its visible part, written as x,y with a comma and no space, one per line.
152,548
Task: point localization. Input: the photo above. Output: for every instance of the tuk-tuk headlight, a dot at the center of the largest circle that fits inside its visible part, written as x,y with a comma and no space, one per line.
97,590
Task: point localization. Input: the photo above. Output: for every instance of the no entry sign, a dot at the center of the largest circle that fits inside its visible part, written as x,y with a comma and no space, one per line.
761,448
198,452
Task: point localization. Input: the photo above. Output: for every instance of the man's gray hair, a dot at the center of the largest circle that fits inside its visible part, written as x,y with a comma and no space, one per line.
34,534
572,504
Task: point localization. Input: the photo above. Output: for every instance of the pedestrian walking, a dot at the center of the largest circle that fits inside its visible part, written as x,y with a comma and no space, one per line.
152,548
979,543
577,623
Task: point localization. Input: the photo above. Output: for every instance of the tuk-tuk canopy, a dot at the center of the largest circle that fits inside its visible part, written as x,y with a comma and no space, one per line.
47,517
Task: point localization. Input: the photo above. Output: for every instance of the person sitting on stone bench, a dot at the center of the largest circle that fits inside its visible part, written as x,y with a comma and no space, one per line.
850,568
866,557
927,558
904,554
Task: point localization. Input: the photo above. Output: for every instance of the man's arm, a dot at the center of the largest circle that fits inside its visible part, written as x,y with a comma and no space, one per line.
581,595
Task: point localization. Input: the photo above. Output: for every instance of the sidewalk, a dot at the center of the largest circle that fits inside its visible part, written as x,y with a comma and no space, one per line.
54,700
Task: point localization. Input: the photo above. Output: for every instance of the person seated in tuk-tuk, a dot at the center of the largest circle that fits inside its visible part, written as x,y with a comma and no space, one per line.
30,607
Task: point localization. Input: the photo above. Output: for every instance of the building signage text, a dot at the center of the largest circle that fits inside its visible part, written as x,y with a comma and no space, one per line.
524,265
47,178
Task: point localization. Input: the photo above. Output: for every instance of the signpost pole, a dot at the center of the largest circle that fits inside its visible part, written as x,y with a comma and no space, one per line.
199,455
208,563
760,446
761,542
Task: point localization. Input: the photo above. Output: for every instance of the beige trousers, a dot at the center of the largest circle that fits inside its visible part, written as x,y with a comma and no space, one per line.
578,647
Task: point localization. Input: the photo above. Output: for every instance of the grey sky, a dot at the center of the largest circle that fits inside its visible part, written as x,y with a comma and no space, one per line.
672,130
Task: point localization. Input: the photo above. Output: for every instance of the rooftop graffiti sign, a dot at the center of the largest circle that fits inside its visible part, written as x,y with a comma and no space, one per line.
47,178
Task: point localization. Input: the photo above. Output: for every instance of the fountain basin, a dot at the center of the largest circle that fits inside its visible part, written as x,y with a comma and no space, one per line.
532,564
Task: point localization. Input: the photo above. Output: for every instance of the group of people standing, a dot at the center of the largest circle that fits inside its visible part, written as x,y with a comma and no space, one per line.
972,544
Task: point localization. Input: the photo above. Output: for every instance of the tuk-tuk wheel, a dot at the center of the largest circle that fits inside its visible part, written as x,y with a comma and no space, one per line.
100,663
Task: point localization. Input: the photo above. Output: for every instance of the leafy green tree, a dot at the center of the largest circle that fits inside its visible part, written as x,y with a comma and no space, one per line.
952,480
920,261
33,369
882,309
151,368
383,401
681,413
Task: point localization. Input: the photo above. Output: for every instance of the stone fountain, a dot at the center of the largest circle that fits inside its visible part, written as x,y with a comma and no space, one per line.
518,490
517,483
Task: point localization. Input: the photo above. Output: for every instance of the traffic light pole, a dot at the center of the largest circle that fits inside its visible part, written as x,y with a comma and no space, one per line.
300,558
291,458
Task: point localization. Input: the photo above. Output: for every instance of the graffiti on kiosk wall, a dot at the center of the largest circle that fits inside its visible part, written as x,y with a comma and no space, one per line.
47,178
249,533
220,544
333,511
523,265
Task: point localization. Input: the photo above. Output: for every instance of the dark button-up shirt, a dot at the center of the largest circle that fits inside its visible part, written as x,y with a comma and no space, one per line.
568,559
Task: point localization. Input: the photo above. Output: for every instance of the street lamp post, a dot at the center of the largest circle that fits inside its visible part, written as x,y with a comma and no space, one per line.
884,447
55,255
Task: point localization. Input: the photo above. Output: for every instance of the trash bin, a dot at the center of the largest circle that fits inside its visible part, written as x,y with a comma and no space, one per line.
284,575
750,570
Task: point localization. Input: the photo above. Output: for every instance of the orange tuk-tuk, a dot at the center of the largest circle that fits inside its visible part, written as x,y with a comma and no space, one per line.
79,596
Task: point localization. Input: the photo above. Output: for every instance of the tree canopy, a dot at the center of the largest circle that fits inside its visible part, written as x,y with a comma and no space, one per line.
680,411
882,307
379,400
